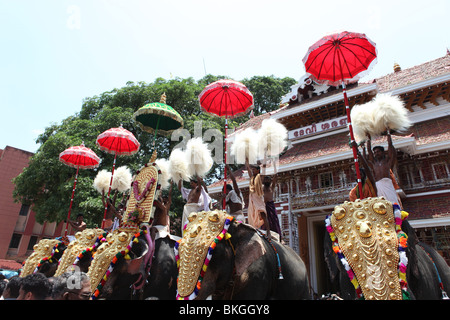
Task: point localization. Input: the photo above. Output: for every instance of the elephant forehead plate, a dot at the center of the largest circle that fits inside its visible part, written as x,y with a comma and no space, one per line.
83,240
201,230
146,203
366,234
42,250
116,242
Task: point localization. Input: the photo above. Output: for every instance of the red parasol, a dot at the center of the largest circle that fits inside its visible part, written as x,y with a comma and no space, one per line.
340,59
117,141
78,157
227,99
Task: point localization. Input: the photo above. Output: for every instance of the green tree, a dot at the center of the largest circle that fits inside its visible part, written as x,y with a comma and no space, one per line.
267,91
47,183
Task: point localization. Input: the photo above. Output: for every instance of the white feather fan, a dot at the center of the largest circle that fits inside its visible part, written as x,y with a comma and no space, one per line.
102,181
375,117
178,165
389,112
362,123
245,145
164,177
122,179
199,157
272,137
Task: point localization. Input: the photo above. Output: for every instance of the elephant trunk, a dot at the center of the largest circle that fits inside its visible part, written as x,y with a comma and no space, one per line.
145,262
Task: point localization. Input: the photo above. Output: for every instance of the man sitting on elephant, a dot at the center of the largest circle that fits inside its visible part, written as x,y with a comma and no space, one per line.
257,215
197,198
381,165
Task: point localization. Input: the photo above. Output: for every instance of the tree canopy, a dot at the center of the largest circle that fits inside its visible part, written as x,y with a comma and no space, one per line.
47,183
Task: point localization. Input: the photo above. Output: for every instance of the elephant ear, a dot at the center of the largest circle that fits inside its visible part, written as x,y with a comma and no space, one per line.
248,245
137,255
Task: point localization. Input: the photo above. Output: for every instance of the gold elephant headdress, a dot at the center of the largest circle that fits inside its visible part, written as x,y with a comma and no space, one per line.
145,189
83,240
43,249
368,240
194,251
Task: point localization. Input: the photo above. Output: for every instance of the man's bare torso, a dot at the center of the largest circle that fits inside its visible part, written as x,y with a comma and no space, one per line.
381,169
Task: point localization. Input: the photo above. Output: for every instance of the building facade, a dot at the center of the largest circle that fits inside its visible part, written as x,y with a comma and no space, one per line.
317,171
19,231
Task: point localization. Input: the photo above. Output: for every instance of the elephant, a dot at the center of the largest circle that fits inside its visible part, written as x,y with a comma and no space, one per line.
49,266
129,271
245,266
149,272
162,282
424,269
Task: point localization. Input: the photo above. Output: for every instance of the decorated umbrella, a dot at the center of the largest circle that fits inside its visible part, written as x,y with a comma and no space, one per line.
158,117
226,99
78,157
117,141
340,59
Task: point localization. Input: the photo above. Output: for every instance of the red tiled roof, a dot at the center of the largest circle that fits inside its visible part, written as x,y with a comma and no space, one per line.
414,74
10,264
255,122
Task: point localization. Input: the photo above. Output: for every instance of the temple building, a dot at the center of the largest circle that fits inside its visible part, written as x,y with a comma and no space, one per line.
317,172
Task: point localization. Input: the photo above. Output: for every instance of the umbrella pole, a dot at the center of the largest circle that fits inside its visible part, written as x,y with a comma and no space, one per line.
153,156
71,201
156,131
109,191
352,139
225,166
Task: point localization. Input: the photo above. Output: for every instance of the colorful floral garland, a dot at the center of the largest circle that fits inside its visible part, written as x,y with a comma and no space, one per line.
342,258
402,245
399,216
100,239
141,196
223,234
55,249
124,253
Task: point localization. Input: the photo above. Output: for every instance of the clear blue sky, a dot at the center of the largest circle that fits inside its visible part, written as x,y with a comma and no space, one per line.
56,53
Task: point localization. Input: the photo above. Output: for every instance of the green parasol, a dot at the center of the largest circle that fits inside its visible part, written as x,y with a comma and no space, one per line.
158,118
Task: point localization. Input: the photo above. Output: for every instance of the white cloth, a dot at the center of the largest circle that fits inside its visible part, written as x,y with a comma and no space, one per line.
187,210
163,231
385,188
202,205
116,224
234,197
203,201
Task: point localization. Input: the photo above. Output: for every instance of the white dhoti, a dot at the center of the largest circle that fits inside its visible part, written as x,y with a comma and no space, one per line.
187,210
256,205
385,188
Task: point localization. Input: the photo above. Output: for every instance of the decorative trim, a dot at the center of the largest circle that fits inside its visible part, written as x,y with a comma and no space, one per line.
402,245
223,234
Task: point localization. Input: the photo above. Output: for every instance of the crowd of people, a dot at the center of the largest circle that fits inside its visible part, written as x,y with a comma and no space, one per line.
69,286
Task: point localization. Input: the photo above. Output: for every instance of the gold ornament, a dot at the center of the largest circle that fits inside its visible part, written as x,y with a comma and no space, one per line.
42,250
83,240
203,227
117,242
373,251
140,201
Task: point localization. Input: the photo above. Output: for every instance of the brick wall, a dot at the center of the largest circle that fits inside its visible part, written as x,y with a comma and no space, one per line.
427,207
12,162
